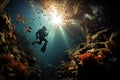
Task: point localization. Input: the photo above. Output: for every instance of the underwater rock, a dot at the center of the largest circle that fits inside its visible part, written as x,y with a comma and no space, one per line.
115,39
5,24
103,35
3,4
2,77
95,59
113,44
15,61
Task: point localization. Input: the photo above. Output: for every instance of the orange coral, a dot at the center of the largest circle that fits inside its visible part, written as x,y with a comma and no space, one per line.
99,57
20,69
8,58
87,59
103,53
86,55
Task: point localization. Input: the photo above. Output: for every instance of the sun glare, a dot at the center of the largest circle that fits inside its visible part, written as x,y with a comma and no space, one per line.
57,20
56,17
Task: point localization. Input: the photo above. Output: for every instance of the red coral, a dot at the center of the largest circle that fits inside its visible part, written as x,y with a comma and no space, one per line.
20,69
87,59
86,56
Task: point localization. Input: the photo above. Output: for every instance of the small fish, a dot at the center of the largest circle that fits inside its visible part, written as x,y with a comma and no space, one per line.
21,18
28,29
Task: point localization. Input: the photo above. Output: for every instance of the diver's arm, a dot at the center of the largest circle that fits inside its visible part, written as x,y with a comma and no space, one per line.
46,34
37,34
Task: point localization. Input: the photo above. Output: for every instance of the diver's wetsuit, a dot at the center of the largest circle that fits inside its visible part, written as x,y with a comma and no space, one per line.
41,34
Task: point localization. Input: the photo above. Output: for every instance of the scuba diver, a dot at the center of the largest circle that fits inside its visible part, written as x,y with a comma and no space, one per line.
41,34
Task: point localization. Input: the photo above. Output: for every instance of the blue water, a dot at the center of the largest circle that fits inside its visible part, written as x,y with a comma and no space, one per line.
59,39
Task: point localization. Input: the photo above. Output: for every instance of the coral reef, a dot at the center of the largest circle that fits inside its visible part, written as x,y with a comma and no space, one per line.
96,60
16,63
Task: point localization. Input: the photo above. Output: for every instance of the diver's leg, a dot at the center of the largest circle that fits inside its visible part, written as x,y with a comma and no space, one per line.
44,46
34,42
38,42
45,41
